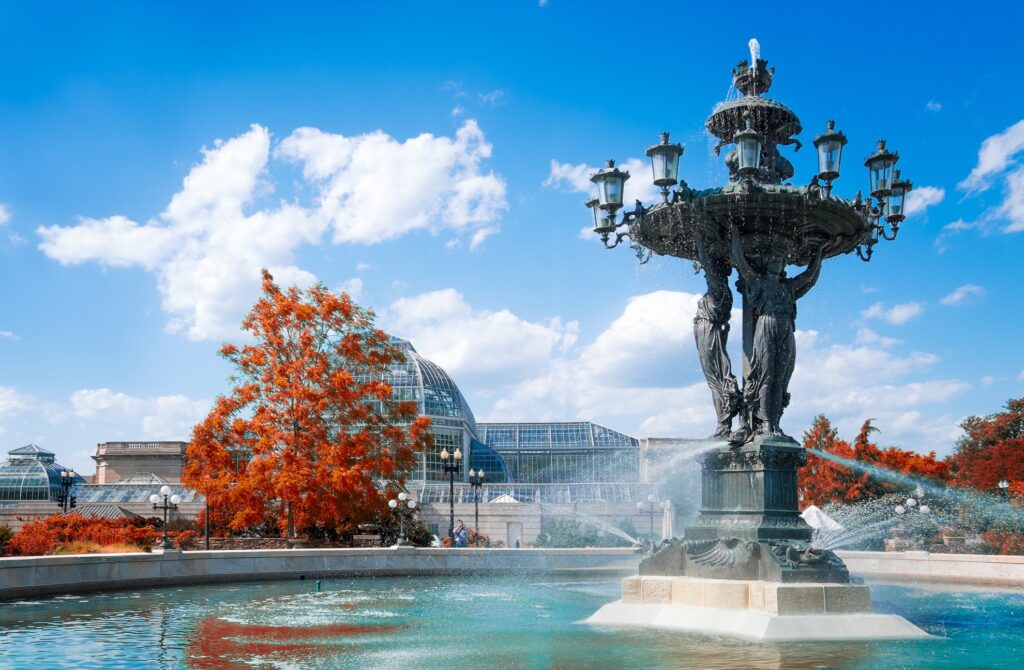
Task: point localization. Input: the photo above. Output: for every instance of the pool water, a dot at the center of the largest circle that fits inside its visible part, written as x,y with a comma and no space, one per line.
461,622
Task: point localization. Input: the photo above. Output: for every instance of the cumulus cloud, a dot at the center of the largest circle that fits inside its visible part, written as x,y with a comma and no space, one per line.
997,158
895,315
354,288
640,374
923,197
933,106
169,417
576,178
5,214
471,343
207,247
964,295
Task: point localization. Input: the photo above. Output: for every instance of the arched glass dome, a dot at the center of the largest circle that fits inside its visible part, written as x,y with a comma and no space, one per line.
431,387
452,423
30,473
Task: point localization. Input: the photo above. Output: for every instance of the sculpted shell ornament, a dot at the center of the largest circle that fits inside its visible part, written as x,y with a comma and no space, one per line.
723,552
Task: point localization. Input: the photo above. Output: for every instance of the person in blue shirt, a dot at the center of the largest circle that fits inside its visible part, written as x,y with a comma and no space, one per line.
460,534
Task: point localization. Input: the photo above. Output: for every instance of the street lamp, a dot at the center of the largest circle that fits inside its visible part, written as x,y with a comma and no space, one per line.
451,469
1004,488
476,480
66,501
750,144
649,507
169,502
401,506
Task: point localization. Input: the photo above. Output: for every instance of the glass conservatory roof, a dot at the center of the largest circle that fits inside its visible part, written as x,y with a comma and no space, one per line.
578,435
428,385
30,473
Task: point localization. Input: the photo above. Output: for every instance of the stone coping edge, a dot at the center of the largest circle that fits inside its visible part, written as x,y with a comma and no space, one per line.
51,575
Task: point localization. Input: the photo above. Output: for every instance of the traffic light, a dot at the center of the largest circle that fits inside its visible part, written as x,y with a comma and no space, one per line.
60,501
74,501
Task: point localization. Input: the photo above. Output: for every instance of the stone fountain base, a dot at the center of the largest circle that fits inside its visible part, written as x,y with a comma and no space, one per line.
752,609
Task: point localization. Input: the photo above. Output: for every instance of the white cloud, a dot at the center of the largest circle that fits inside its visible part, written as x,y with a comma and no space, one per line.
458,110
5,214
994,156
472,343
168,417
641,375
354,288
933,106
895,315
8,335
997,156
363,267
12,401
494,98
1020,377
207,247
923,197
964,295
576,178
870,337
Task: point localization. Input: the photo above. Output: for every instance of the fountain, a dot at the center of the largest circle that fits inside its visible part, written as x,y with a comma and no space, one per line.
747,566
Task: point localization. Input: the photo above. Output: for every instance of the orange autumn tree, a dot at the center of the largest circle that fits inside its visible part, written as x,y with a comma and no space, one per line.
822,480
310,437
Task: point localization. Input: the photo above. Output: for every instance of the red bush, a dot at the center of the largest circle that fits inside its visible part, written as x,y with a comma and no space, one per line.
43,536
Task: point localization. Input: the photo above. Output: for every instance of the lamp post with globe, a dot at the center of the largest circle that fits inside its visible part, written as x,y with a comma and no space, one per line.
402,505
165,501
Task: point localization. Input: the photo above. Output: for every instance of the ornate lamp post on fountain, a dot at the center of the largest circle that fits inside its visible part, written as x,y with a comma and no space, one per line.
451,469
401,506
749,525
169,502
476,480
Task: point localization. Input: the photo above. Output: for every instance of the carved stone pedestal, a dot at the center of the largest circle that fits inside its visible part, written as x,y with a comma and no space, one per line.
749,526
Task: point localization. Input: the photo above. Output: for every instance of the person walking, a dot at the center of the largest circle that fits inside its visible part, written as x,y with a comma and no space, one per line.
460,533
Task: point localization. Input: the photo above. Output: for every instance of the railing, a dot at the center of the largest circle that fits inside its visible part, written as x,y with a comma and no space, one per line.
153,446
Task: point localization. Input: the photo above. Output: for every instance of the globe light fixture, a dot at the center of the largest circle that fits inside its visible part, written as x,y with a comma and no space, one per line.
610,181
880,165
665,164
749,144
830,154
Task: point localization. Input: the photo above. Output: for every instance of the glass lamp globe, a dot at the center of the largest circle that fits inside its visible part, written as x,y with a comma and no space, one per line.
175,499
413,504
924,509
651,498
665,162
165,490
749,142
640,506
403,496
830,151
444,454
458,454
879,165
472,472
895,205
154,499
911,502
900,509
392,503
610,182
64,474
480,474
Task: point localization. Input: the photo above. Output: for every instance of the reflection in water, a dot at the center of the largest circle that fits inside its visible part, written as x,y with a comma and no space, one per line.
219,645
461,622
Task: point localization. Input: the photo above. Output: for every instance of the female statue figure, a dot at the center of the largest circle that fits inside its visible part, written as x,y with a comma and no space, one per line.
772,296
711,330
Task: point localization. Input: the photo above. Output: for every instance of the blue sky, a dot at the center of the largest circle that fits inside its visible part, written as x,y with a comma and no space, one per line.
428,159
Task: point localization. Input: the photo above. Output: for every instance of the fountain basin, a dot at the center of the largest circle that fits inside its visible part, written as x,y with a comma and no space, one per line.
753,609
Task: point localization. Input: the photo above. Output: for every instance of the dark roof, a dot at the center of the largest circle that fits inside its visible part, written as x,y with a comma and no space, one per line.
101,511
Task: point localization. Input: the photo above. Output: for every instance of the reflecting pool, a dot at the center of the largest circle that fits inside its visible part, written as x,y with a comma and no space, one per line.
460,622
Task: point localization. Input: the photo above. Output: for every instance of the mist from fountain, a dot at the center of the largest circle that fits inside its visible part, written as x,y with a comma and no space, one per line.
984,505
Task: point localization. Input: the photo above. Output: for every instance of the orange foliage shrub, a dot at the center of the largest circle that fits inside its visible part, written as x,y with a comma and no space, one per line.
43,536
